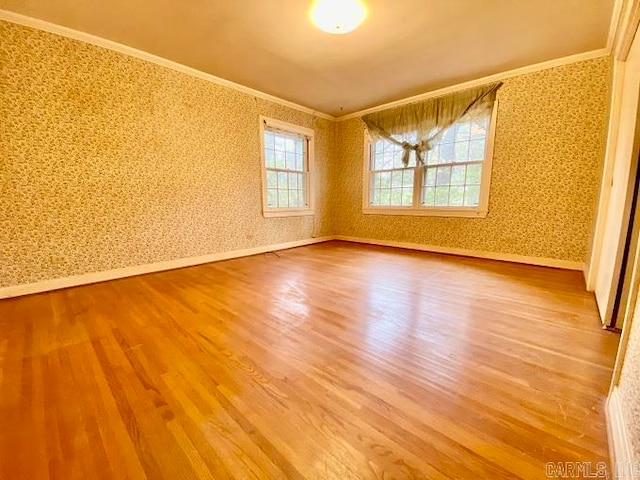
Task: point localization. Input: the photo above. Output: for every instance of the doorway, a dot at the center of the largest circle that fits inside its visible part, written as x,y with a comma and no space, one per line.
626,274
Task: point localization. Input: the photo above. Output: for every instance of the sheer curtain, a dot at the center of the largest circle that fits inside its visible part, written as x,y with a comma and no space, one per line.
415,127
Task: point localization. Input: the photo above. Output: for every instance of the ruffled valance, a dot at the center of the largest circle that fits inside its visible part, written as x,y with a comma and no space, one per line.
416,126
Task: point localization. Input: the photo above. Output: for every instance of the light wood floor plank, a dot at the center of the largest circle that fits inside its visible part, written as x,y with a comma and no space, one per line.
333,361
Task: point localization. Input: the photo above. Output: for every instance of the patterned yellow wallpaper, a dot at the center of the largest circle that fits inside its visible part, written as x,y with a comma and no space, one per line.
108,161
549,146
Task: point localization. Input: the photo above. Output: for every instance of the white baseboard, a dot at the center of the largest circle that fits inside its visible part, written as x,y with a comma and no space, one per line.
620,450
504,257
95,277
87,278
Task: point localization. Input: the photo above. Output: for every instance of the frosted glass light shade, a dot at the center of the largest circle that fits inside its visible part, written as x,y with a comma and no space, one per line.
338,16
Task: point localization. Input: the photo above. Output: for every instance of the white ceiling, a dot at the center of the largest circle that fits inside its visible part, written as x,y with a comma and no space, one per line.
405,47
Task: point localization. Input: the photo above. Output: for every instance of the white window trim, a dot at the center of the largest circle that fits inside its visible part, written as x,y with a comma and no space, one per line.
480,211
297,129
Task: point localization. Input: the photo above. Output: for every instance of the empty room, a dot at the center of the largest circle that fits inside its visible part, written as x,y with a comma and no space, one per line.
319,239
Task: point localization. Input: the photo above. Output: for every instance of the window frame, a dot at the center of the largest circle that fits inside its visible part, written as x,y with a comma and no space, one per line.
308,133
417,209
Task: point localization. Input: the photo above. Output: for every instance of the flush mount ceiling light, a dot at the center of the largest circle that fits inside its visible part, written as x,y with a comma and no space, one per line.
337,16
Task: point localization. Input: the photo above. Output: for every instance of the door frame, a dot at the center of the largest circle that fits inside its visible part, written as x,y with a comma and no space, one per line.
624,26
625,274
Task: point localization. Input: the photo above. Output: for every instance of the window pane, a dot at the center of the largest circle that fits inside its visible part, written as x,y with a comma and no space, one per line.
476,149
463,130
387,160
479,127
385,179
443,176
433,156
268,140
378,154
396,178
378,160
293,181
442,196
407,179
397,158
272,180
388,156
389,146
272,197
396,197
290,159
428,196
269,158
282,180
376,180
407,197
447,153
431,176
472,195
283,198
456,196
285,151
290,145
394,188
449,135
462,152
474,173
457,175
293,198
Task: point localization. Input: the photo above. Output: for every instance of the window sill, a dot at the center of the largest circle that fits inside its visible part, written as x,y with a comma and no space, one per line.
286,213
428,212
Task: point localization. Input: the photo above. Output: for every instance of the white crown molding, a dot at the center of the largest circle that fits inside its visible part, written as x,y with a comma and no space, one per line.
579,57
615,31
503,257
38,24
26,21
95,277
620,451
612,38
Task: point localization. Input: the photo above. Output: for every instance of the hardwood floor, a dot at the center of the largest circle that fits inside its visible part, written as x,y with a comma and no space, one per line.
333,361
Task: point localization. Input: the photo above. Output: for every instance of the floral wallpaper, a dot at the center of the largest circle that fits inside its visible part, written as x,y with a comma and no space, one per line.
109,161
549,146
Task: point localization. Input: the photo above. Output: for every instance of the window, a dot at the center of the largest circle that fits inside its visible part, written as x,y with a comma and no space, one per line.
287,161
454,180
